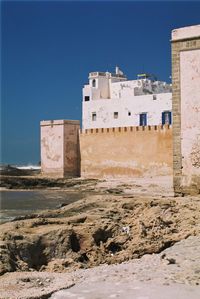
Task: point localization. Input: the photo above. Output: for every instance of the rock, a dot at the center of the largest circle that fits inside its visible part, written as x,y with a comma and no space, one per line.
89,232
171,261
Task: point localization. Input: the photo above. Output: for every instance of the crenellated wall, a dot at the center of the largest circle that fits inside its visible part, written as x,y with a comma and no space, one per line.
126,151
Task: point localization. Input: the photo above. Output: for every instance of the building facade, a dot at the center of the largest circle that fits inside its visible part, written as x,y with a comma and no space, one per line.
126,124
110,100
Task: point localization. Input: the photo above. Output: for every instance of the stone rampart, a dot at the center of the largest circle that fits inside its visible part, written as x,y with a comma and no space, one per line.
126,151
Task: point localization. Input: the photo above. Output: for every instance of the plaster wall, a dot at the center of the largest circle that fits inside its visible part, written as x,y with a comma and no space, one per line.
52,149
190,114
103,86
128,110
186,33
60,154
92,92
186,109
71,150
123,89
103,83
133,88
126,152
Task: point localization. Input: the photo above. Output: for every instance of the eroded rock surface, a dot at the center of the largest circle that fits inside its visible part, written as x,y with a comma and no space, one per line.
173,273
97,230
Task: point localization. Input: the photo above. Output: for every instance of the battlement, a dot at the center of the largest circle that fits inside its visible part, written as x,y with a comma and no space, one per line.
126,129
126,151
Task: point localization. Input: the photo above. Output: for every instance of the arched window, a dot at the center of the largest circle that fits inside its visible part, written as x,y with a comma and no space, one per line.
93,83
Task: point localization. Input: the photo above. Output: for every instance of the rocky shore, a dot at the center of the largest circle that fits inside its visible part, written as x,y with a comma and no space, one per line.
116,223
173,273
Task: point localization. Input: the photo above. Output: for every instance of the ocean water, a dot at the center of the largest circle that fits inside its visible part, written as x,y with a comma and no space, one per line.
20,203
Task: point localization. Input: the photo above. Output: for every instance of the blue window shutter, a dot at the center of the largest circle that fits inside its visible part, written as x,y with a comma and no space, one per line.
163,118
143,119
170,118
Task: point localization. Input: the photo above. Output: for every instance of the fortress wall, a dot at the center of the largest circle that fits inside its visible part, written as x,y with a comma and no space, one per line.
71,150
126,151
186,109
60,148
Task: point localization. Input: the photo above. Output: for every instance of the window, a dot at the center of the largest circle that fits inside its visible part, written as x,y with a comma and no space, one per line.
94,116
166,118
143,119
154,97
129,113
115,115
93,83
87,98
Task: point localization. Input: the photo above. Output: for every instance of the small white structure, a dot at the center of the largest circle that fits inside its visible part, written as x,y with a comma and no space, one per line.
110,100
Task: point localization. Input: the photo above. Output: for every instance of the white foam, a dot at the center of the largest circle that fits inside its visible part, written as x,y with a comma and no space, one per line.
28,167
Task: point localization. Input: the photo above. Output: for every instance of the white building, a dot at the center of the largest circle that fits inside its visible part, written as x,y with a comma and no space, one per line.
110,100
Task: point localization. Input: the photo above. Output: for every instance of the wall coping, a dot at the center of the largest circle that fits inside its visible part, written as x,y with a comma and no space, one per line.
59,122
185,33
125,129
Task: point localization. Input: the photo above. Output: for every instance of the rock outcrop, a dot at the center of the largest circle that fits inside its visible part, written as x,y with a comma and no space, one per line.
96,230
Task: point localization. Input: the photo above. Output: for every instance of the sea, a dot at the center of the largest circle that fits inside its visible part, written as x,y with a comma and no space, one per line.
14,203
21,203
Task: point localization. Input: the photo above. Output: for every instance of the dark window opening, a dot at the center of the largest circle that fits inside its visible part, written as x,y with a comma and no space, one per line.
129,113
93,83
143,119
166,118
87,98
154,97
94,116
115,114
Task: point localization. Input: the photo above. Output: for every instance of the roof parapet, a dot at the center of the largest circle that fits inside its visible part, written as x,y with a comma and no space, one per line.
185,33
104,74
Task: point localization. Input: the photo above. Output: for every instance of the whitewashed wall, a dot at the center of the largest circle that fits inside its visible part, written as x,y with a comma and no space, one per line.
105,109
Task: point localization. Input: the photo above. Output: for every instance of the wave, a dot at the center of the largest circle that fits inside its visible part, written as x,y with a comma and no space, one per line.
28,167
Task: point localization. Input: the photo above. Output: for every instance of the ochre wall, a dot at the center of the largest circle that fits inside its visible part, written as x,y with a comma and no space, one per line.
127,151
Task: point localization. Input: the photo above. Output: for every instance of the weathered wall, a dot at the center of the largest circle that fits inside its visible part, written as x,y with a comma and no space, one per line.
186,109
71,149
127,151
190,114
60,148
52,158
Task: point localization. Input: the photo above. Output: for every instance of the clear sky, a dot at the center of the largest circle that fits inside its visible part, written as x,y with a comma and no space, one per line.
49,47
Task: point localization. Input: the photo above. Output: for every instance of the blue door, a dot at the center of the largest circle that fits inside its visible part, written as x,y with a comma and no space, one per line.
166,118
143,119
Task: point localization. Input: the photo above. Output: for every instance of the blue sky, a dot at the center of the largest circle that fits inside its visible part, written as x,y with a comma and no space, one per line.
49,47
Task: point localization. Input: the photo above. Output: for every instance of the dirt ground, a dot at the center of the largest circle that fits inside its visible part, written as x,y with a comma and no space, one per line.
119,221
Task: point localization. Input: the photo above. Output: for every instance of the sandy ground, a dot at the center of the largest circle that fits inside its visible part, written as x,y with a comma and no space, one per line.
174,273
158,186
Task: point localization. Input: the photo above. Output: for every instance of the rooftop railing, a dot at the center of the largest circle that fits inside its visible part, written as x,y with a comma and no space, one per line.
103,74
